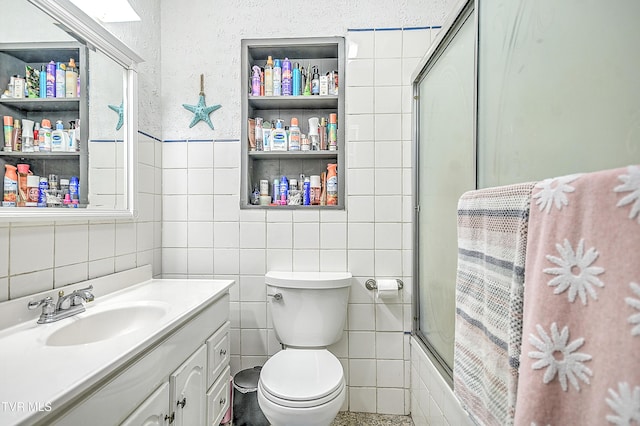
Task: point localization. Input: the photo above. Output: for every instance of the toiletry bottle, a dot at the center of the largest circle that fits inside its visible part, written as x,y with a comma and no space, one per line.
315,82
267,131
33,191
332,129
324,85
8,133
284,190
313,133
258,131
23,173
16,137
255,81
58,138
306,90
27,136
51,80
332,185
45,136
43,81
277,78
286,78
276,191
18,87
43,188
10,196
316,188
306,197
36,137
295,80
279,137
268,77
304,143
323,191
72,145
294,135
61,78
323,134
74,191
71,79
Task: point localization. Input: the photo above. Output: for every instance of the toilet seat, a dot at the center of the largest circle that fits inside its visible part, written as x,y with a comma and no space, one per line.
300,378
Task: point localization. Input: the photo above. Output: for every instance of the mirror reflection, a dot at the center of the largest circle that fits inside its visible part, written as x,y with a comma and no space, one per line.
62,106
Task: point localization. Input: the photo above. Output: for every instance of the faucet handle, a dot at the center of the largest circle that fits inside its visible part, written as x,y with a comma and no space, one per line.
48,307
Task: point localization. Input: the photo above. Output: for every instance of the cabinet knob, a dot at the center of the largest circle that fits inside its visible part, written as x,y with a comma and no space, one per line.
223,352
170,418
223,401
182,403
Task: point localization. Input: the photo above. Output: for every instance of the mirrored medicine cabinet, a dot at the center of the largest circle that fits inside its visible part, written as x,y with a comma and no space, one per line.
103,109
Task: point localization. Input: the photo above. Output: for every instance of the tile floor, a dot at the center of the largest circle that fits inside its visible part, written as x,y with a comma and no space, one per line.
347,418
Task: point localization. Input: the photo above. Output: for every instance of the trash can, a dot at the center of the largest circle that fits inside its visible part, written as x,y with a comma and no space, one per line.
246,411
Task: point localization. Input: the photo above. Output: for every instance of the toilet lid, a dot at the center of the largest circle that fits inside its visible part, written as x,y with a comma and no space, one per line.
302,374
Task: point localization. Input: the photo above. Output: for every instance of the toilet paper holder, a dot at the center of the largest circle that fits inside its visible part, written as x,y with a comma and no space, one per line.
372,285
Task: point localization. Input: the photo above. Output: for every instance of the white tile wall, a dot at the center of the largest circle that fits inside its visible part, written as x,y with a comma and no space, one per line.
372,238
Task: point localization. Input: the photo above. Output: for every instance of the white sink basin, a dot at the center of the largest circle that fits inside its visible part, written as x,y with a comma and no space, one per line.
107,322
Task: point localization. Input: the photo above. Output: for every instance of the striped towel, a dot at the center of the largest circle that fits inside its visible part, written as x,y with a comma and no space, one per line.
580,360
492,239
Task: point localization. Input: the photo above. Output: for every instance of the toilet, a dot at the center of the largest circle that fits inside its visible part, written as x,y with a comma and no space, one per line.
304,384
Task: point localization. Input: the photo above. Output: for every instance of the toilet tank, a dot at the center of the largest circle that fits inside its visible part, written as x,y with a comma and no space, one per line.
313,308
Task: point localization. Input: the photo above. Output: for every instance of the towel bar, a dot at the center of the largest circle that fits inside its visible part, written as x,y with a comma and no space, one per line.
372,285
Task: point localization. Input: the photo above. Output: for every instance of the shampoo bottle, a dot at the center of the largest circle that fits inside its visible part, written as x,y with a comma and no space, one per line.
61,80
71,79
10,186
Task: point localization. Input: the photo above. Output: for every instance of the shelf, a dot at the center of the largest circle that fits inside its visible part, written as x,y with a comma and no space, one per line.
43,104
291,102
272,155
274,207
21,154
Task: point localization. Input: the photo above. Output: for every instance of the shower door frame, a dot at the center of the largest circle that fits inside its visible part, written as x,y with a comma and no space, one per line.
465,9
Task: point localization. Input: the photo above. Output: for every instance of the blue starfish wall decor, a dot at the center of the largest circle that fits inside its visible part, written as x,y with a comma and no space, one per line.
120,111
201,110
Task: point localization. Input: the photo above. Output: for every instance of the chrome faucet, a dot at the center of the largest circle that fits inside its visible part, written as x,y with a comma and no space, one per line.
66,306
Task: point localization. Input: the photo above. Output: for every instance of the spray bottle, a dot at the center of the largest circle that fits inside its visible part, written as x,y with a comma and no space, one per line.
43,82
51,80
8,133
332,185
61,70
10,186
255,81
287,83
277,78
27,136
44,137
268,77
71,79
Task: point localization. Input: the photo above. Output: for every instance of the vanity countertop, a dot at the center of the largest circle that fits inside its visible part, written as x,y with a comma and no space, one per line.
37,375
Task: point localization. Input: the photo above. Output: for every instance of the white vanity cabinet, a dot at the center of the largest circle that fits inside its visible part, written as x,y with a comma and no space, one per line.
154,411
188,388
197,392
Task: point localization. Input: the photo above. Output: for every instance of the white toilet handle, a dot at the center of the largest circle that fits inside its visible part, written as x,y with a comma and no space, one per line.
276,296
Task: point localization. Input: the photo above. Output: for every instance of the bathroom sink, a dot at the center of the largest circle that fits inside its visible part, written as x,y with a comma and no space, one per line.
107,322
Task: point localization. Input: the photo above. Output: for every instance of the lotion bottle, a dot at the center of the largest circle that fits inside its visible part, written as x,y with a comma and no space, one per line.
58,139
277,78
71,79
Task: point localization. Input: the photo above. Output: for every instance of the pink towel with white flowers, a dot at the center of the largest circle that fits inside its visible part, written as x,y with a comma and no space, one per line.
580,358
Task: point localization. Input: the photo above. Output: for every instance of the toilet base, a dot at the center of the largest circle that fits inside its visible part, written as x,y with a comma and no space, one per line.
321,415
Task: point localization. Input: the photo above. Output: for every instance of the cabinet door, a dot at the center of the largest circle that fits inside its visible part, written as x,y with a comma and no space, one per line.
218,353
218,399
188,390
154,411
